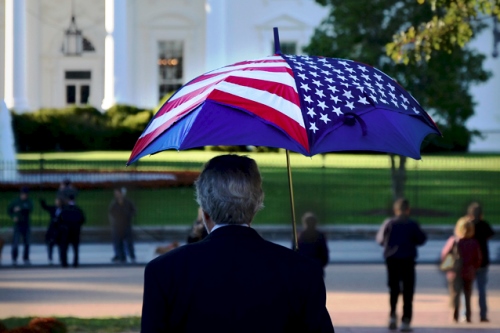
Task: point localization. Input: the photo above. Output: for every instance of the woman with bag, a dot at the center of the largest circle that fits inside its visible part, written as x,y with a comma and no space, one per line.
467,261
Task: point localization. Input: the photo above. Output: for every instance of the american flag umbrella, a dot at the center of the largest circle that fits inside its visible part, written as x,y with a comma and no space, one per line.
304,104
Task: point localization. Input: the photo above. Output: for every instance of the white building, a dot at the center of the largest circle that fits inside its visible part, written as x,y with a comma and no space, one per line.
135,51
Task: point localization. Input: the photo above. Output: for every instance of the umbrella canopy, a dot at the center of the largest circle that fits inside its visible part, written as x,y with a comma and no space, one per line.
305,104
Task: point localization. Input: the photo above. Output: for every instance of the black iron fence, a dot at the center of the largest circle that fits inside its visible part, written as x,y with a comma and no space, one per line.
340,189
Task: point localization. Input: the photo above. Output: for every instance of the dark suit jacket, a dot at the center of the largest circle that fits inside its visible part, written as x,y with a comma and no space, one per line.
234,281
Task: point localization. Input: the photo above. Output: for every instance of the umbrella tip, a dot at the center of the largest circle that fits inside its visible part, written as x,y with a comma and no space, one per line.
277,47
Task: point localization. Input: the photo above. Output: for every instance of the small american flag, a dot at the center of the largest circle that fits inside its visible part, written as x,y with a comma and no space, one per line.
304,96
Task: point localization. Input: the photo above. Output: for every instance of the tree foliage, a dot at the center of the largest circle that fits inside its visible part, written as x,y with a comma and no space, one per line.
360,30
452,24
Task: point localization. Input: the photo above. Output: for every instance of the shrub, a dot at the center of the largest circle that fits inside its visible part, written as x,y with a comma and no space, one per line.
79,128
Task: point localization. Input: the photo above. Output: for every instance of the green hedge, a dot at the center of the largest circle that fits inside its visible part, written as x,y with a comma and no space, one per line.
79,128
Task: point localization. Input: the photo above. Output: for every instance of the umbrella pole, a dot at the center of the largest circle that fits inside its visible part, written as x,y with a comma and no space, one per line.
292,205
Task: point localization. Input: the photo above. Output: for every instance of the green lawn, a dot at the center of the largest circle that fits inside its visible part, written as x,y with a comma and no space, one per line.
340,188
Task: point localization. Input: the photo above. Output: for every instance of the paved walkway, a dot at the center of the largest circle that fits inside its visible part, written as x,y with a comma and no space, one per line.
355,281
357,296
341,251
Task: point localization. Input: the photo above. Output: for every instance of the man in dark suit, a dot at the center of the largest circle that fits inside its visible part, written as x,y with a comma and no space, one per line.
233,280
69,224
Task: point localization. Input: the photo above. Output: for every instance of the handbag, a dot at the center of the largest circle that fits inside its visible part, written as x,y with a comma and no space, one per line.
452,261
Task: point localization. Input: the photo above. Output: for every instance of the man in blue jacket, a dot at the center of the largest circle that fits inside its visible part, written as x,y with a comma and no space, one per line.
400,237
19,211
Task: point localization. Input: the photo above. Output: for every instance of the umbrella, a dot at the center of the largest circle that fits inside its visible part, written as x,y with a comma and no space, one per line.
305,104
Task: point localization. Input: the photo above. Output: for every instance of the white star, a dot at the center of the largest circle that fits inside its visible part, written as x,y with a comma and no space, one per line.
391,87
336,70
381,92
343,78
350,105
334,98
329,79
394,102
347,94
366,77
360,88
333,89
322,105
384,101
379,85
337,111
415,110
313,127
369,85
311,112
392,95
372,90
378,77
362,68
354,77
328,65
345,84
319,92
326,72
299,68
373,98
314,74
324,117
349,69
317,83
343,63
305,86
314,66
363,100
323,60
403,97
404,105
302,76
307,99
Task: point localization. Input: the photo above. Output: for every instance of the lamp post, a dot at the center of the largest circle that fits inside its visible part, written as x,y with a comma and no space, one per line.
73,40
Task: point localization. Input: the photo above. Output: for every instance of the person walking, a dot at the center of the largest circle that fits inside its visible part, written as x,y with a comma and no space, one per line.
19,211
121,211
469,257
52,234
483,232
233,280
69,224
312,242
400,237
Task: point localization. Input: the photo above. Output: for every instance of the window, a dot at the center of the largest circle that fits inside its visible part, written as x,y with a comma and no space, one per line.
170,63
77,87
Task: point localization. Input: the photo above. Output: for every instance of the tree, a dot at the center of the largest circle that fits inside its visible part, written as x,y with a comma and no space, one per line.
453,23
362,30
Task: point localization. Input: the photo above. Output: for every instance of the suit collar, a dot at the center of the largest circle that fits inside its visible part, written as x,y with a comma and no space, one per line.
233,231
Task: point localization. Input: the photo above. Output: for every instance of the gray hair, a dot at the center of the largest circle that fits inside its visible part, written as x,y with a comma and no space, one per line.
229,189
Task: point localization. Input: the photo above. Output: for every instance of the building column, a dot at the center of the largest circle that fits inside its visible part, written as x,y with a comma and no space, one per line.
215,34
15,55
116,78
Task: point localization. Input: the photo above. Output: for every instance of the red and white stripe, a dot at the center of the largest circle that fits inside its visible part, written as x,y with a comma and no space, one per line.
265,87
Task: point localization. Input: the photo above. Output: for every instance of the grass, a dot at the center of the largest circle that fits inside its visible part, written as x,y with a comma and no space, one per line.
95,325
340,188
